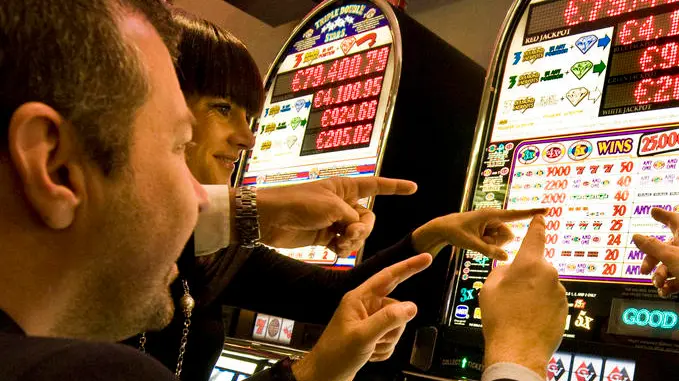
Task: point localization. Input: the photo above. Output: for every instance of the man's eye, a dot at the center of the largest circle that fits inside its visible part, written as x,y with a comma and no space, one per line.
182,147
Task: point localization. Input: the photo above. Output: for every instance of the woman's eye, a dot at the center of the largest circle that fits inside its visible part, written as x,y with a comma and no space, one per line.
224,109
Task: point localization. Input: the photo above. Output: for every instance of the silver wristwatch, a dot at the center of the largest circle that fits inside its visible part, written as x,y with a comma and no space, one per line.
247,218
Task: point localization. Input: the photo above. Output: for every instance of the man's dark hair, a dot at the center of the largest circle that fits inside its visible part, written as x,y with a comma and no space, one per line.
70,55
213,62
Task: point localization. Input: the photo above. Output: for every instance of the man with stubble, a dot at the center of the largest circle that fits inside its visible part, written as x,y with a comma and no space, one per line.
97,201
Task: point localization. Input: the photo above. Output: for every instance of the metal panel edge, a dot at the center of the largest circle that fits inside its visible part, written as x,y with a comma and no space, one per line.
487,101
393,92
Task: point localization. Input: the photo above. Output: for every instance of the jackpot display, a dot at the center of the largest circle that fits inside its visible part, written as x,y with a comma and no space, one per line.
581,118
361,89
326,106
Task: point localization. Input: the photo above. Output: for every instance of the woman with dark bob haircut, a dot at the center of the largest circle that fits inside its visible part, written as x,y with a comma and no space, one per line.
223,88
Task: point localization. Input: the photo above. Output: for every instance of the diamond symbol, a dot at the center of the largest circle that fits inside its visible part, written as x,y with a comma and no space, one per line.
579,69
347,44
585,43
290,141
299,104
295,122
575,96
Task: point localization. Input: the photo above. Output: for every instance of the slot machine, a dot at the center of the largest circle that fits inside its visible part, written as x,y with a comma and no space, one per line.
361,89
580,116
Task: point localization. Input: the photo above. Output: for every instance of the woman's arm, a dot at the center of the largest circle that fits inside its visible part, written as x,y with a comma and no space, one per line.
265,281
272,283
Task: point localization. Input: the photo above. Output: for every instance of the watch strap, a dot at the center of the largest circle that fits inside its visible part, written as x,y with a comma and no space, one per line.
247,217
282,370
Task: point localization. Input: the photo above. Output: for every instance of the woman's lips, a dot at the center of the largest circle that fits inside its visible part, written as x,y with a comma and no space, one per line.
228,162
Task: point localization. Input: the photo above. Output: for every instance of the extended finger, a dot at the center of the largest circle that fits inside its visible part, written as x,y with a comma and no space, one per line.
533,245
515,214
665,253
385,281
670,219
360,187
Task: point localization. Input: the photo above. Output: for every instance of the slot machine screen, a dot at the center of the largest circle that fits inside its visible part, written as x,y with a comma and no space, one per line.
326,105
583,121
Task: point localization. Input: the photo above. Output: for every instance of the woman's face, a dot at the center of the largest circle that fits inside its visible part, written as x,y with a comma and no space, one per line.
221,132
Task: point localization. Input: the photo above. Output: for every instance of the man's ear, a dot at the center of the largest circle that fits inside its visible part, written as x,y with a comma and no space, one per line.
44,152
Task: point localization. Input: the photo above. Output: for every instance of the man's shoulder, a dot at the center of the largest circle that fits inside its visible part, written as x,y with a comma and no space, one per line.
32,358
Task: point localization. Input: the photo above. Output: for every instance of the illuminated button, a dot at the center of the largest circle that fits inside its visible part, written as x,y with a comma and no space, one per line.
644,318
654,318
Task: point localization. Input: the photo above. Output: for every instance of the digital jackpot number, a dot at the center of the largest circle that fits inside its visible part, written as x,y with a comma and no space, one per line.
579,11
373,61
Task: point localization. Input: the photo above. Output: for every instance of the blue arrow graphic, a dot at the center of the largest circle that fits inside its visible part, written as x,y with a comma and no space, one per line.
603,42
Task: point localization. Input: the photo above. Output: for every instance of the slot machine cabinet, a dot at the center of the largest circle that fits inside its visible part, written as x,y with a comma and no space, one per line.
361,89
579,115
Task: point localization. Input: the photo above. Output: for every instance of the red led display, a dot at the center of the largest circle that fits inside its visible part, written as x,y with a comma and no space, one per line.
341,127
648,28
370,87
347,68
344,137
321,140
579,11
660,57
657,90
655,60
349,114
650,59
